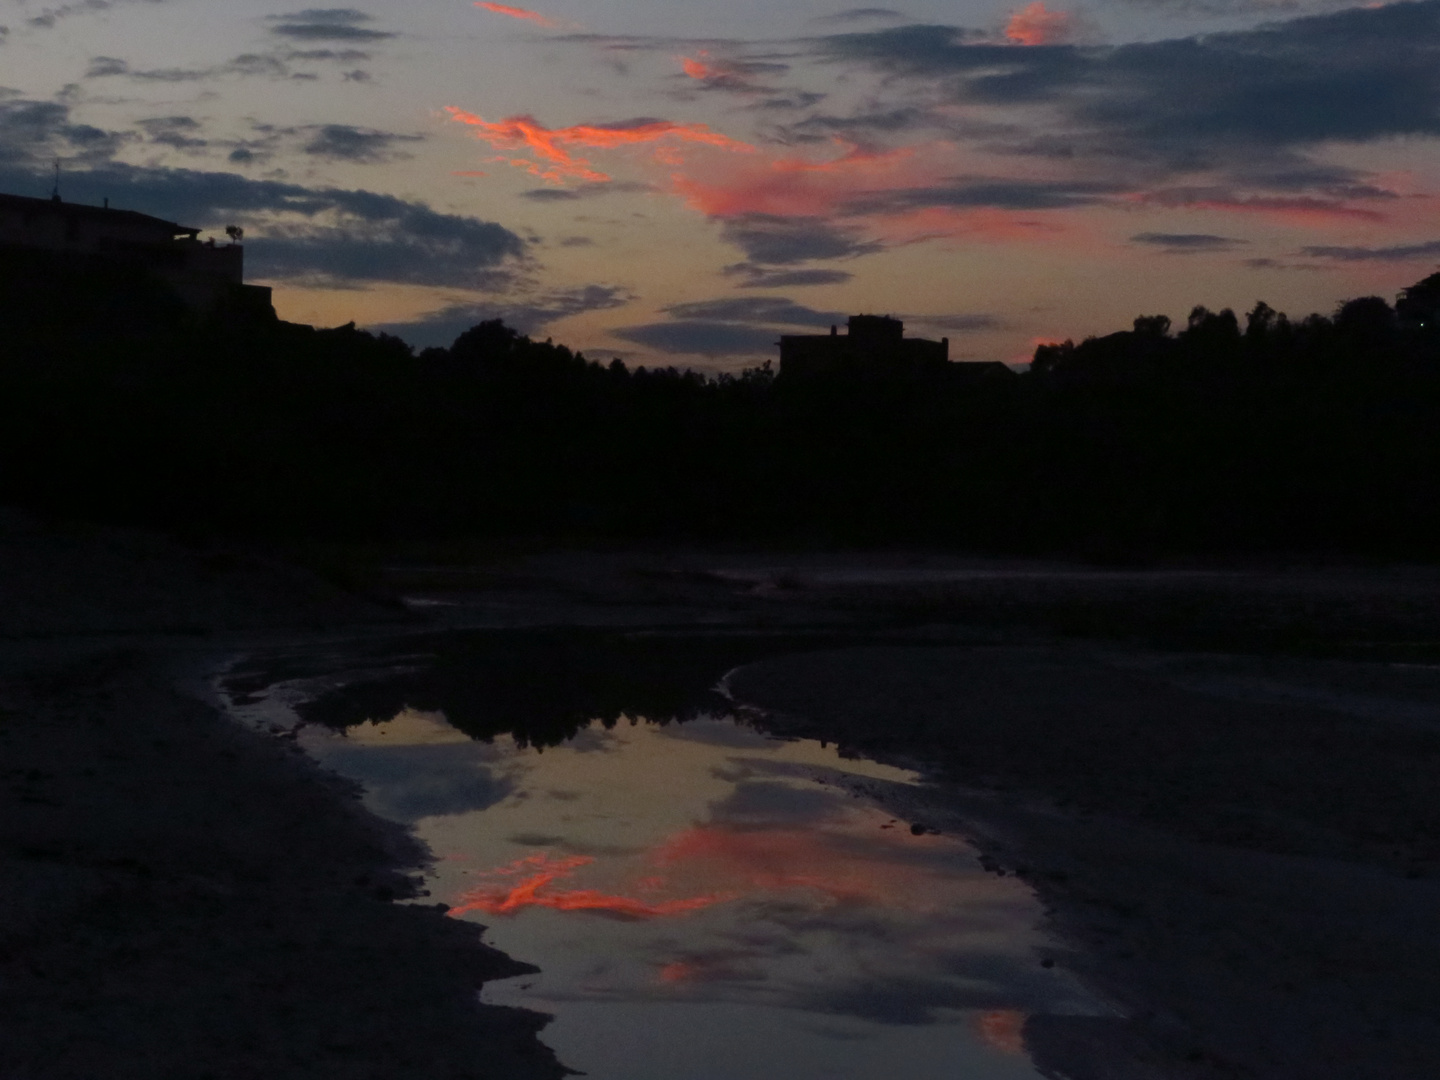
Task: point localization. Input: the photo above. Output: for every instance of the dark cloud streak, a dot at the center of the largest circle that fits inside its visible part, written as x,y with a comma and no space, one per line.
323,236
527,315
754,309
327,24
1396,253
342,142
1186,243
700,338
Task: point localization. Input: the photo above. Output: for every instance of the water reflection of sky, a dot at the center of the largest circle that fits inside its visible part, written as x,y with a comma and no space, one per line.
707,902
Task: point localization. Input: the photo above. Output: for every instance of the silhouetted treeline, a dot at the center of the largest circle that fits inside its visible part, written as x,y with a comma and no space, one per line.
1318,435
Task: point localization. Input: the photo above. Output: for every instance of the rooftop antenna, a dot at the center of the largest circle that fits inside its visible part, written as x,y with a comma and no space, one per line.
55,191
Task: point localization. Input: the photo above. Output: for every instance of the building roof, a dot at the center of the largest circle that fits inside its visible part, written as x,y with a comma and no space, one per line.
55,206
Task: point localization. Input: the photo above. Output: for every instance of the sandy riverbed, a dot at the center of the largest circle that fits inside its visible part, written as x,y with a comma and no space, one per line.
1239,852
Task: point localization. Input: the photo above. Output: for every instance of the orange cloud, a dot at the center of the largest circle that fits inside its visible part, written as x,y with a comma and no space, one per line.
551,144
697,68
719,863
541,871
518,13
1035,24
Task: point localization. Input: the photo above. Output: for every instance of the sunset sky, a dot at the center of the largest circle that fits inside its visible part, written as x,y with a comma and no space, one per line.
679,183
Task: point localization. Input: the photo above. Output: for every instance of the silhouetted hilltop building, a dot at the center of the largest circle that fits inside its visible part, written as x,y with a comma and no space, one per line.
872,344
208,277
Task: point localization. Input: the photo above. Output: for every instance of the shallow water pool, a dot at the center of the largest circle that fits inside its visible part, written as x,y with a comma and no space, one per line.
707,902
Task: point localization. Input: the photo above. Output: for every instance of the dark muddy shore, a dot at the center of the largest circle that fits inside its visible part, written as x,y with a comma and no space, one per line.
186,899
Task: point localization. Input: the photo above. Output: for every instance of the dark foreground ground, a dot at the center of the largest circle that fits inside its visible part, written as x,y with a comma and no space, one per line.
183,899
1224,784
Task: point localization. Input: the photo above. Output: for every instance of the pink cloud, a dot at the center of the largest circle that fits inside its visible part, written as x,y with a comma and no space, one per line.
551,145
518,13
1035,24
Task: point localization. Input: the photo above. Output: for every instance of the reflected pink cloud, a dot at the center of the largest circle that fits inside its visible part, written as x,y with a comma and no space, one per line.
747,861
541,870
715,863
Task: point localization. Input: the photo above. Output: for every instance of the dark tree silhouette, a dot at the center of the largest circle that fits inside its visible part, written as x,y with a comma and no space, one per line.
116,403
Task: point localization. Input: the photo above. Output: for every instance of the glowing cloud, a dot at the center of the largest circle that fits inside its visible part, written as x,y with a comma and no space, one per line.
748,860
518,13
551,144
541,870
798,186
699,68
1036,24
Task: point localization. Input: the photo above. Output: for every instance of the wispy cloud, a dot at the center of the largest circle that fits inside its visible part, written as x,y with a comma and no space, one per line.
863,14
51,16
1186,243
344,142
518,13
526,310
700,338
732,74
777,310
275,64
552,145
1428,251
756,276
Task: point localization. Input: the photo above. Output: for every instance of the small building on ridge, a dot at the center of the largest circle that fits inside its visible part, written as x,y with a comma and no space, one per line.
871,344
208,277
